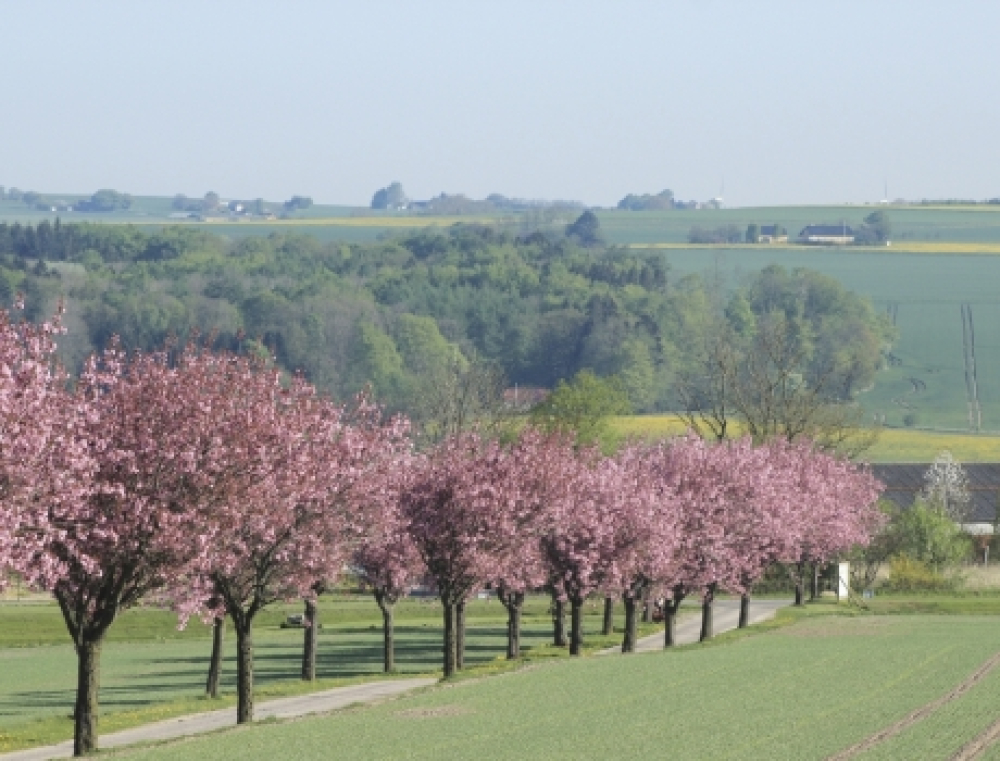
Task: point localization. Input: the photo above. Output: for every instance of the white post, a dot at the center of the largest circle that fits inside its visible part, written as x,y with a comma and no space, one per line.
843,580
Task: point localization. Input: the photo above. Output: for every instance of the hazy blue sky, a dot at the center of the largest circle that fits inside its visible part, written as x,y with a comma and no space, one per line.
799,101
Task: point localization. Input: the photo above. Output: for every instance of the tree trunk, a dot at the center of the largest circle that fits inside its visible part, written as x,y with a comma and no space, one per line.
799,596
559,623
707,623
388,639
628,641
460,635
244,670
647,609
309,642
88,655
609,616
576,626
513,602
215,667
449,639
670,620
814,584
744,610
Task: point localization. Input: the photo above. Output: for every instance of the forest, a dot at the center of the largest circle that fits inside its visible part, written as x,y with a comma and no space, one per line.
540,306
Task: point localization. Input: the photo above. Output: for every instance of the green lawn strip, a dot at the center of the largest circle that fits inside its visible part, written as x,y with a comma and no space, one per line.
34,624
55,729
150,681
803,692
953,605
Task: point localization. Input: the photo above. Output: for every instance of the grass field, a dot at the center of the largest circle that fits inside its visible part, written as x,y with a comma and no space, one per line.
803,691
910,223
927,224
894,444
928,291
151,671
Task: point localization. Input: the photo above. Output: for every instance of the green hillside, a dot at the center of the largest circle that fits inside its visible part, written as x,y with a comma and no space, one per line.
927,291
925,277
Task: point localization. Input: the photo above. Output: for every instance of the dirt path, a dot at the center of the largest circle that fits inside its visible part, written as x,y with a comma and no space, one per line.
926,710
281,708
979,745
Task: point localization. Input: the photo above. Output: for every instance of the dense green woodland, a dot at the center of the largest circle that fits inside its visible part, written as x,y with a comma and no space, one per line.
542,306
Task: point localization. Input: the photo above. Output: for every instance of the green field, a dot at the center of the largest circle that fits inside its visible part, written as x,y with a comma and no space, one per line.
909,223
151,671
800,692
928,290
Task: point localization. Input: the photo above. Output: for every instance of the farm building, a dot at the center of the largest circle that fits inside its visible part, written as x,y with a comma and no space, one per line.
827,235
767,234
905,480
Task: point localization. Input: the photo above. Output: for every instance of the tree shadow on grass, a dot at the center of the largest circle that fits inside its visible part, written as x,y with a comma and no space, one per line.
342,653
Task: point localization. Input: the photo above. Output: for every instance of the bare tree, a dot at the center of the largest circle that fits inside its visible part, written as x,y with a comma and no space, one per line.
705,389
458,395
767,385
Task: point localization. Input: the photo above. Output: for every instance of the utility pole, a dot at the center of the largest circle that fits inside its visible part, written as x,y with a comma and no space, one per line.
971,379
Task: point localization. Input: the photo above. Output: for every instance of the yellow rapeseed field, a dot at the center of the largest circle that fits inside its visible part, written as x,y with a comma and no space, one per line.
372,221
894,445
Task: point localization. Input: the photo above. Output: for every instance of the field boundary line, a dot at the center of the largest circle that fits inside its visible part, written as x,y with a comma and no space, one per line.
922,713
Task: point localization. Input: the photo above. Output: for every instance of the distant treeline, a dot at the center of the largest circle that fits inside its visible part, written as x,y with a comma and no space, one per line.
542,306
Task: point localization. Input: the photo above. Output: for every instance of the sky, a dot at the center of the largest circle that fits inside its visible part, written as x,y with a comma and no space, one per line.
766,102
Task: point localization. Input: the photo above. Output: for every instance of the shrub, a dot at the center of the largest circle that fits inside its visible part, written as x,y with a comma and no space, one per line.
911,419
909,575
926,534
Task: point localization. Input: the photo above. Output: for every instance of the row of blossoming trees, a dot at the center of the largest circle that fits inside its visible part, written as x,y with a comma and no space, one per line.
203,479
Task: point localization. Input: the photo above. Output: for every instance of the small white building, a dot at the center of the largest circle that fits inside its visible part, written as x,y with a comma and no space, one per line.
827,235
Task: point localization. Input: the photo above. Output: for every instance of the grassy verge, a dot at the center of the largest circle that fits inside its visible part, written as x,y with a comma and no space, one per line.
56,729
155,678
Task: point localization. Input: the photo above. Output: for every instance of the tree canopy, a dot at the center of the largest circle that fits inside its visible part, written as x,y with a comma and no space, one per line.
538,306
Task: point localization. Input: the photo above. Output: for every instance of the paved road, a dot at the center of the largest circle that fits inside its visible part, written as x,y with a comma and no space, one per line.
281,708
726,617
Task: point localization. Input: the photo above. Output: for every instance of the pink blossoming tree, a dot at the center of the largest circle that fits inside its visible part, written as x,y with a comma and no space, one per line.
141,420
300,470
449,506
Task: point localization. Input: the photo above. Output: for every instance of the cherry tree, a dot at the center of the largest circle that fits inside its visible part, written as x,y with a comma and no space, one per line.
536,468
693,473
41,461
578,545
387,560
764,523
141,420
836,505
299,471
449,506
644,522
